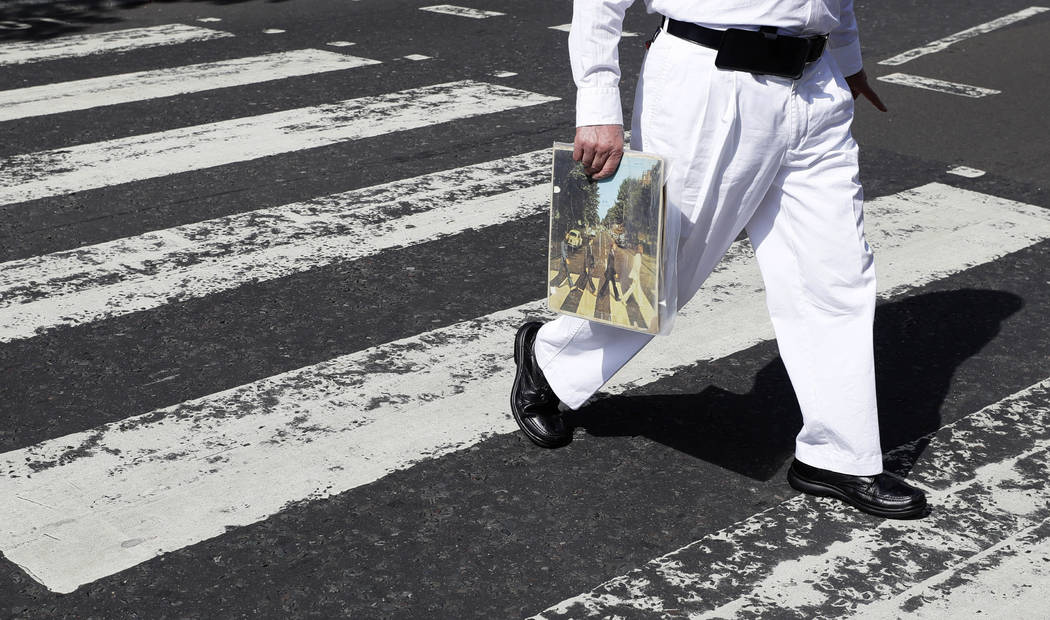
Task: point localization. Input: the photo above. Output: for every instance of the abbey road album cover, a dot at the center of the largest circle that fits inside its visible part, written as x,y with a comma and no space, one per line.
606,241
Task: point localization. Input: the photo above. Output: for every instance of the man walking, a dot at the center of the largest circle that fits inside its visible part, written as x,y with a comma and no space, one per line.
608,282
749,105
584,282
563,274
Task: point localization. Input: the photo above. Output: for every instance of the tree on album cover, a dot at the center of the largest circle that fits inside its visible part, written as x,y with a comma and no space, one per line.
606,241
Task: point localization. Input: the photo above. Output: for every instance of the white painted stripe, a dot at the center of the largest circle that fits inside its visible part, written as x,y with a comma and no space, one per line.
941,44
417,57
567,27
143,85
146,271
104,43
89,166
1008,580
93,503
966,171
460,11
951,88
825,557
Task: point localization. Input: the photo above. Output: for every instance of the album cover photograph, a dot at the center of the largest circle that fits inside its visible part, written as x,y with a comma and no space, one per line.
606,241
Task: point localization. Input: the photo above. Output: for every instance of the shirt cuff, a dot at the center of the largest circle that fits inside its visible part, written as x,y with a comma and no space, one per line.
848,57
598,106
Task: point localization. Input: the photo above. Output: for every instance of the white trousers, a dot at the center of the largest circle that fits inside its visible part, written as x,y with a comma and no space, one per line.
775,157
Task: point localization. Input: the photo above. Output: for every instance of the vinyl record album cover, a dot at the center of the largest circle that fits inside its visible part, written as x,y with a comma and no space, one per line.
606,240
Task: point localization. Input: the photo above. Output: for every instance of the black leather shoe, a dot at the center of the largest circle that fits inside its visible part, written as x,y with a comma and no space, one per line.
884,495
532,400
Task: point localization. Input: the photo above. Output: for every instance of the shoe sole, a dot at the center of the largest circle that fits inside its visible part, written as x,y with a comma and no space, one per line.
519,351
821,489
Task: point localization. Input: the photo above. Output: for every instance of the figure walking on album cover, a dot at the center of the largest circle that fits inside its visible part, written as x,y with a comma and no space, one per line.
584,282
609,278
563,269
630,296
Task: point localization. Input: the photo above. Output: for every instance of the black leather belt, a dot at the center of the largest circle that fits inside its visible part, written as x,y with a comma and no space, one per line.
763,51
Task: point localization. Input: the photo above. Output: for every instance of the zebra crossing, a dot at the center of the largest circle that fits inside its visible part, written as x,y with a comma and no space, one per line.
986,506
87,505
116,41
143,85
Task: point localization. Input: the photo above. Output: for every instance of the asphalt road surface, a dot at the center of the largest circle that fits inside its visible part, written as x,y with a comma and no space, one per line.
260,268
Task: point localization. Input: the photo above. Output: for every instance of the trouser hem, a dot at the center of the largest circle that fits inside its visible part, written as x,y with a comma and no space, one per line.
568,393
850,465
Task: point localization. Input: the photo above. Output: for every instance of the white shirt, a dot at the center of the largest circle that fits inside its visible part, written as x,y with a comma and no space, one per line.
597,24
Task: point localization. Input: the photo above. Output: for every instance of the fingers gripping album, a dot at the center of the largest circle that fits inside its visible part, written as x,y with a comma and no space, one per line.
606,258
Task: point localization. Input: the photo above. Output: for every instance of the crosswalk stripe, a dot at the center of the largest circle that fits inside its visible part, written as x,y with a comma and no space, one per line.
977,504
143,85
941,44
93,503
146,271
941,86
89,166
1000,578
461,11
104,42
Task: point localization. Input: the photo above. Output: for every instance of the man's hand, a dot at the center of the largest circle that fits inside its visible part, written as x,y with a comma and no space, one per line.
858,85
599,148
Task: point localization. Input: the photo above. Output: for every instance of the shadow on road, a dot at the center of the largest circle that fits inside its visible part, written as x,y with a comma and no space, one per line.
47,19
919,343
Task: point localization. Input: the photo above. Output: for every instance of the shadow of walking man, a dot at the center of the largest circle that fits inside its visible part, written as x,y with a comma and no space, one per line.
919,343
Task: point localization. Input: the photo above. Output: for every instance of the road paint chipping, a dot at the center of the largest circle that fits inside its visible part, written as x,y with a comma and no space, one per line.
460,11
940,86
827,561
144,85
146,271
182,474
1006,580
76,46
966,172
101,164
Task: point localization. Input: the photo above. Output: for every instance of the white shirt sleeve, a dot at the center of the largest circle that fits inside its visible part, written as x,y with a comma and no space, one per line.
844,43
593,40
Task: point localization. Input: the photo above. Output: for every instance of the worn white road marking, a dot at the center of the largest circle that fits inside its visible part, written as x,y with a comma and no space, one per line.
340,43
941,44
797,558
146,271
88,166
143,85
1010,579
417,57
504,74
460,11
104,42
966,171
273,31
567,27
209,19
951,88
185,473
